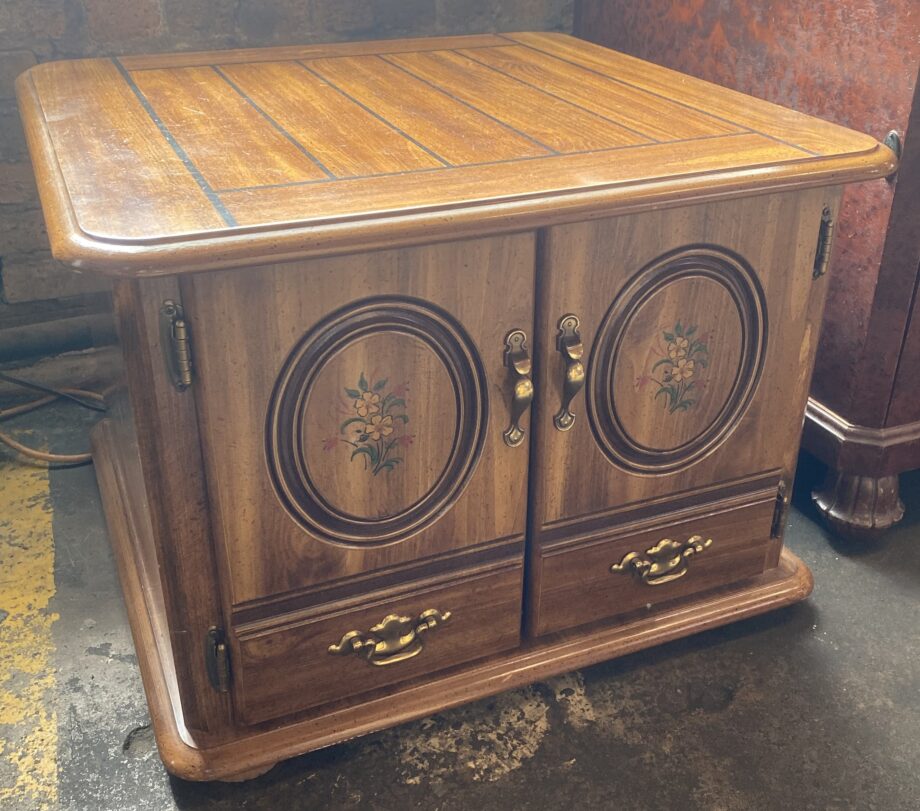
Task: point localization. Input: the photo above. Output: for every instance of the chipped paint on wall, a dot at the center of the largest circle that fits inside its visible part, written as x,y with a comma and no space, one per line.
28,722
853,62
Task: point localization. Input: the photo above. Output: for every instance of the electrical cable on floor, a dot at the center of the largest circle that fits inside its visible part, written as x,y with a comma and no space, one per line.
82,397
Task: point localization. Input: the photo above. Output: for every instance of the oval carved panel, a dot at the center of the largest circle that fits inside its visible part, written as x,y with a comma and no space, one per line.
376,421
676,359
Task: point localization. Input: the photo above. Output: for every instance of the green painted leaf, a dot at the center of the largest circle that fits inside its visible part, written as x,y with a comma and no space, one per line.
380,384
662,362
388,465
396,402
362,382
669,336
348,422
678,330
353,393
368,450
403,417
690,332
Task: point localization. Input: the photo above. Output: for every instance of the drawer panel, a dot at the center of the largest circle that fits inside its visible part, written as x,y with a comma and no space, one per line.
287,668
577,586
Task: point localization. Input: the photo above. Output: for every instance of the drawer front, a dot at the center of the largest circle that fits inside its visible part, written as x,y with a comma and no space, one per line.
577,585
284,669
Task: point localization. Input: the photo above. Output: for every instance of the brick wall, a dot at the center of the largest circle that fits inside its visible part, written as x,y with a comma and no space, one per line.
41,30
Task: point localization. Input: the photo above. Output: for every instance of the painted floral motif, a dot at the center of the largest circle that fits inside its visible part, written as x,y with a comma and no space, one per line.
680,366
378,427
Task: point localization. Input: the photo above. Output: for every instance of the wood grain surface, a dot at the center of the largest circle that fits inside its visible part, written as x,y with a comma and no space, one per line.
277,539
217,159
584,270
249,754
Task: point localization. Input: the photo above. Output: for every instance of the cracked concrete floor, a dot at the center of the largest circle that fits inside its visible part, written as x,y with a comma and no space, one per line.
813,707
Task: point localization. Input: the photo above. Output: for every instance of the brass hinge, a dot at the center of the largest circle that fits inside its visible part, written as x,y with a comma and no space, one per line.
779,511
825,237
217,659
176,342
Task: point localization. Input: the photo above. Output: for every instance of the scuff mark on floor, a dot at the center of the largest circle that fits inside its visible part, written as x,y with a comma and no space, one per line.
571,696
28,722
139,742
485,741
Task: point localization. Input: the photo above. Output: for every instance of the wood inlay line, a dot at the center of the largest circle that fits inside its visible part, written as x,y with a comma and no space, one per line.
193,170
275,124
546,92
650,92
483,163
374,113
275,58
457,99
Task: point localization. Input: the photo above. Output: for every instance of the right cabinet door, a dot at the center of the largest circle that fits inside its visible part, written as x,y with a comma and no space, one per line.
675,352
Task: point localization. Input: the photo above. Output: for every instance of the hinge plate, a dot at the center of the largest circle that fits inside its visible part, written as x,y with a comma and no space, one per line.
780,510
217,659
825,238
176,343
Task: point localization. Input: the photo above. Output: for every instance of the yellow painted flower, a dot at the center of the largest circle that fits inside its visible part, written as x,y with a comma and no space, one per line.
678,348
379,427
367,404
682,370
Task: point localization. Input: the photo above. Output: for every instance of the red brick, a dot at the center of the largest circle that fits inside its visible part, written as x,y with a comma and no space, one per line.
270,21
22,20
22,230
12,63
17,184
37,277
12,138
343,17
418,16
112,22
201,23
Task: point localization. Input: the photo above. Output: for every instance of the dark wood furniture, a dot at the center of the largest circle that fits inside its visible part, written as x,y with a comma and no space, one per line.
875,434
854,62
450,364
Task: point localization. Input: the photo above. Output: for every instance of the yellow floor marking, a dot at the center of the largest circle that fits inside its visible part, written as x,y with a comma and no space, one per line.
28,722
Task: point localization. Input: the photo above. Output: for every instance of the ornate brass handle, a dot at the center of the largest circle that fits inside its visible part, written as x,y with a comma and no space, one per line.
394,639
518,361
665,561
569,345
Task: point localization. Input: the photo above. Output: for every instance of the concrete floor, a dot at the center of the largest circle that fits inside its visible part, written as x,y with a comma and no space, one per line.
814,707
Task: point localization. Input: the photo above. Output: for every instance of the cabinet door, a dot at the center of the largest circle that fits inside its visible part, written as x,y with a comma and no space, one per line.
696,329
352,414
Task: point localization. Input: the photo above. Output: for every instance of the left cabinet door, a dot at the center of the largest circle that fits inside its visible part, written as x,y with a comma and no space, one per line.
353,416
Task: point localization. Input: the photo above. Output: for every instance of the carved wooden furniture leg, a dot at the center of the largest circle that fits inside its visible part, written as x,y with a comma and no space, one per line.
859,507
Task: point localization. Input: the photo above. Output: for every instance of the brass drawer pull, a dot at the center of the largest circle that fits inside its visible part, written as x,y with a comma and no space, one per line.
394,639
518,361
569,345
665,561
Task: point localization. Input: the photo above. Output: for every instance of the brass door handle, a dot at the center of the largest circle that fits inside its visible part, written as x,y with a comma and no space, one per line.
664,562
518,361
394,639
569,345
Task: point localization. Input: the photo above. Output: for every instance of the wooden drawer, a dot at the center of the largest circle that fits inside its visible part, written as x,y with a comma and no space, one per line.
577,586
286,668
